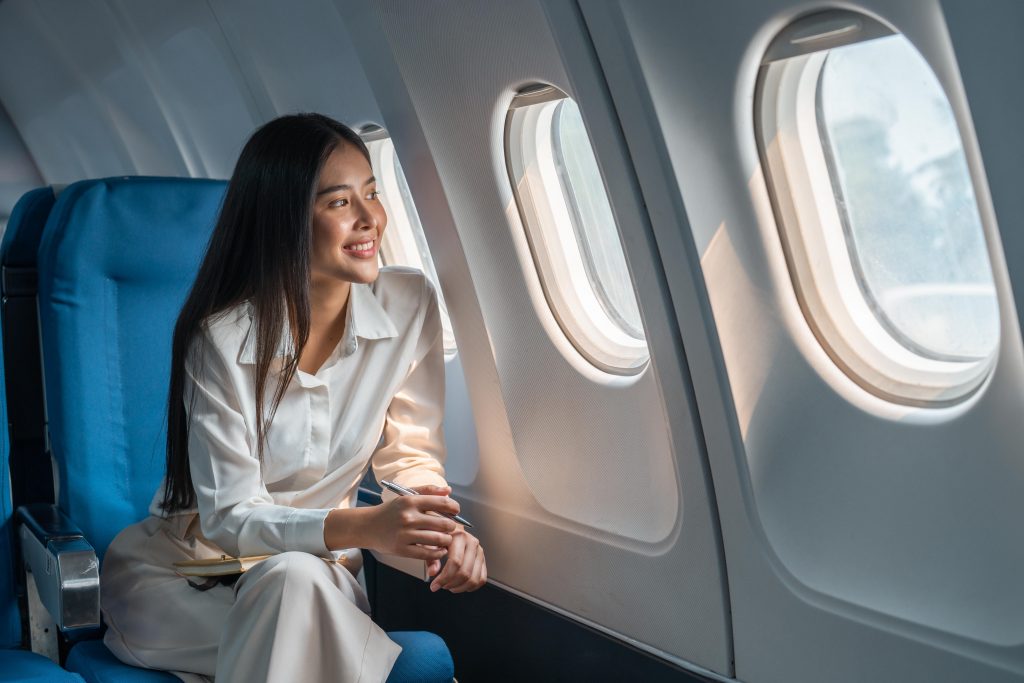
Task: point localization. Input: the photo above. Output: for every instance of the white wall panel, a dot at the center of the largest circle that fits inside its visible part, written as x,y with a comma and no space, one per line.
864,540
591,490
56,76
297,56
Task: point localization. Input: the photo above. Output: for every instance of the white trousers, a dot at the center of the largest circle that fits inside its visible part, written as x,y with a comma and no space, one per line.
293,617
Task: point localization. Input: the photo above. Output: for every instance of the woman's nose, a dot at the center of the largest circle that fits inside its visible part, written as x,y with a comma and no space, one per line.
367,216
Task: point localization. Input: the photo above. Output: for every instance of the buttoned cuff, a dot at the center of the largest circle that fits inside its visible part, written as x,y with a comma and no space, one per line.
304,531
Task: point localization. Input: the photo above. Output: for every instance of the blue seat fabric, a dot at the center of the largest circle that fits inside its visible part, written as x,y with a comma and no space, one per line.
424,659
20,666
31,475
15,664
25,227
97,664
116,261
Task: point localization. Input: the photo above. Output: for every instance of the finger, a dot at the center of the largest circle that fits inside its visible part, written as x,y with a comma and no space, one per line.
451,566
433,567
479,577
456,554
434,490
420,552
462,571
435,504
464,574
419,537
433,523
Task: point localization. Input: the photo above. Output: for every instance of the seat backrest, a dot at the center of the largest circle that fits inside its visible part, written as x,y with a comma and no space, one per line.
31,476
10,620
117,259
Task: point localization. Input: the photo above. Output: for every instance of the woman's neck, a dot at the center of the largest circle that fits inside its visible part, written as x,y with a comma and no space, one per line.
328,304
328,307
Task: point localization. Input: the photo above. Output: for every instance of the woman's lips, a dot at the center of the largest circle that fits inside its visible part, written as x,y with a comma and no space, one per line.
363,254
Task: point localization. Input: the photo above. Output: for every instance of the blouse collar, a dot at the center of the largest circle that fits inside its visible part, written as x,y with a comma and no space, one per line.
366,319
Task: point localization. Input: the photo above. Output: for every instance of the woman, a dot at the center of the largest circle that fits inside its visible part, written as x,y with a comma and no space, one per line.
292,356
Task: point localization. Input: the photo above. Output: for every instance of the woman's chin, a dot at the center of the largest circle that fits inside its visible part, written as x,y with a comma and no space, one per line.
364,275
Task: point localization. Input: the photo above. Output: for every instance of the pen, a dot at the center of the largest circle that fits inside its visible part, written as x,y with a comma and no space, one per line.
402,491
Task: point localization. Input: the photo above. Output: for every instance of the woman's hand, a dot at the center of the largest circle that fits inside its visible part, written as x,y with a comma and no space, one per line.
403,526
465,570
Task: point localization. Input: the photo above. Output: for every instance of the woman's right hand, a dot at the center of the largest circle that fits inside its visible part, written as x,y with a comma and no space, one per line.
402,526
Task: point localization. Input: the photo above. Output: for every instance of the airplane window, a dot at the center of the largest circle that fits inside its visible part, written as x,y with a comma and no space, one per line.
404,242
909,211
571,230
877,209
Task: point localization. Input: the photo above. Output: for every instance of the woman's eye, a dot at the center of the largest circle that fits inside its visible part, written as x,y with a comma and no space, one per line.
375,194
338,203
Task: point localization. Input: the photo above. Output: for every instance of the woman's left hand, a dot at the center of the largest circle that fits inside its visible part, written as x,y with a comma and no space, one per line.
465,568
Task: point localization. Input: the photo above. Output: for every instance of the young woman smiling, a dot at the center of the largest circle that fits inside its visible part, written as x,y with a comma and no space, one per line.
292,356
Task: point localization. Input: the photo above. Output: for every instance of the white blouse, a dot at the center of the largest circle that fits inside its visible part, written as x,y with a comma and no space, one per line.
384,379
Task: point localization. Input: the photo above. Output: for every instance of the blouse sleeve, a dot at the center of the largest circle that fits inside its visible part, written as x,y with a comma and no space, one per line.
413,451
235,509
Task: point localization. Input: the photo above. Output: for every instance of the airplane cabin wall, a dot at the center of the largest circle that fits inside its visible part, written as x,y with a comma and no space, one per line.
18,172
108,87
864,540
592,488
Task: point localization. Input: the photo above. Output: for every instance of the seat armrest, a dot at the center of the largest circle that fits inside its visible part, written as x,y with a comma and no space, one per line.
63,565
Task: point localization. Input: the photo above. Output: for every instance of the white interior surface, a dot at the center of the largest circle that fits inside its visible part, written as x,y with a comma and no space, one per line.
865,541
591,489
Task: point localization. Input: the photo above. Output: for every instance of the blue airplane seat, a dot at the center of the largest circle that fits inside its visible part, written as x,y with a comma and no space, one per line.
16,665
25,227
28,216
116,260
31,477
97,664
424,658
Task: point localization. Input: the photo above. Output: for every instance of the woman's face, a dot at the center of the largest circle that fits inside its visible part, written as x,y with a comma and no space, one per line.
346,214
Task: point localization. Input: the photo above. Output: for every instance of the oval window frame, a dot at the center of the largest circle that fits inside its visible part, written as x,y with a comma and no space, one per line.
821,267
556,252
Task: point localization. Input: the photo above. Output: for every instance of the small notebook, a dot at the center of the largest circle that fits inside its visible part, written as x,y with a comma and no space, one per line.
225,565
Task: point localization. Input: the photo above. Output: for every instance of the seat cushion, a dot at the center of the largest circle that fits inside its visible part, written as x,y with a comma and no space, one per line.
424,659
21,666
97,664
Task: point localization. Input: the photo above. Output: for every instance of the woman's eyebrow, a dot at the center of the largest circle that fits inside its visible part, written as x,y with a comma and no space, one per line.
336,188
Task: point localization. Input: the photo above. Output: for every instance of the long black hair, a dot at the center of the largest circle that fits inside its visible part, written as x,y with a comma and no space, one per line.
259,250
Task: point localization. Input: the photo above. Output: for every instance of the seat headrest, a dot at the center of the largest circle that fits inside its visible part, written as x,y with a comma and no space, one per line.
25,227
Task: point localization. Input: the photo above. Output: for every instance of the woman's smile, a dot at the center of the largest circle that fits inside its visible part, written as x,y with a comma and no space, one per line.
363,250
